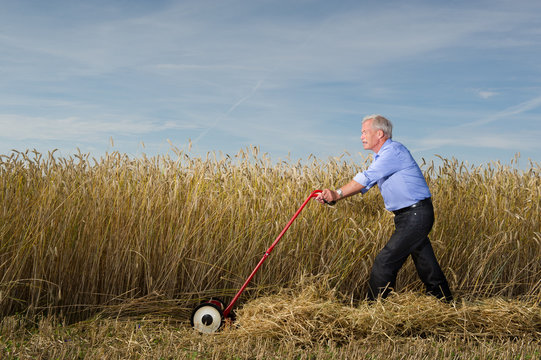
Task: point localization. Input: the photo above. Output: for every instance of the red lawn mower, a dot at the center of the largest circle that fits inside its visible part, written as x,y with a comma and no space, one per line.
209,316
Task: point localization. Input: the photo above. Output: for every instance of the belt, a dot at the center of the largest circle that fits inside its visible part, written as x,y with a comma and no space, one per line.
416,205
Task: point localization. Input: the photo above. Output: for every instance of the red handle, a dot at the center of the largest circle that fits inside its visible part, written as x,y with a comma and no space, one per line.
267,253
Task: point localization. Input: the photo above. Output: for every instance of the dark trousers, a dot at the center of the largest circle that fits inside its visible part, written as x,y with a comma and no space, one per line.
409,238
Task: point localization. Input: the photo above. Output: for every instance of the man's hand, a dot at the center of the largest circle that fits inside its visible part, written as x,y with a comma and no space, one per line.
327,196
331,196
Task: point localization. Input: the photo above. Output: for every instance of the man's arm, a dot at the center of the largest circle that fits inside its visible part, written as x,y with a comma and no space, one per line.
351,188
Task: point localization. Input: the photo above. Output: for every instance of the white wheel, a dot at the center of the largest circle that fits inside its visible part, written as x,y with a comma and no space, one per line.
207,318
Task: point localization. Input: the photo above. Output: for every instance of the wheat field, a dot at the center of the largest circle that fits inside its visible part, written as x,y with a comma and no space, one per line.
133,244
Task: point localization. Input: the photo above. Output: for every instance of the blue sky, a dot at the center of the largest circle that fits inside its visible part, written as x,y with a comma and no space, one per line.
457,78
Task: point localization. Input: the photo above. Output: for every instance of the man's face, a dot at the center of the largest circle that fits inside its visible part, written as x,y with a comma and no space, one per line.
369,136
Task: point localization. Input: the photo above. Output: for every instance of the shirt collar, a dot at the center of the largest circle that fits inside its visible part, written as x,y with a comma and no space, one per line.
385,144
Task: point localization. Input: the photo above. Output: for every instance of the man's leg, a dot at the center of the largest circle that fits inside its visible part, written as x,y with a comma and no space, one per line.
411,230
430,271
385,269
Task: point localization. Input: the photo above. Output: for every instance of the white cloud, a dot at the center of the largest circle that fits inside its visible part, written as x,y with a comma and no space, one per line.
512,141
483,132
508,113
20,127
486,94
199,39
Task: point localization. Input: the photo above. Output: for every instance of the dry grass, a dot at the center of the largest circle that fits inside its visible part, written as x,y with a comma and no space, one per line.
314,314
159,339
310,321
121,237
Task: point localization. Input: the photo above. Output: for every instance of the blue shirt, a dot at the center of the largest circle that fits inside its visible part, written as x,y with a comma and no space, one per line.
397,175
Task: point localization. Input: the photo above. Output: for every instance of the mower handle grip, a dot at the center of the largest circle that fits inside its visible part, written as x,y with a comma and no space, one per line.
316,192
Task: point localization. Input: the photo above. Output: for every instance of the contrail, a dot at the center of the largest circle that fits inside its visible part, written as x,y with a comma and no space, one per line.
229,111
447,136
310,36
513,110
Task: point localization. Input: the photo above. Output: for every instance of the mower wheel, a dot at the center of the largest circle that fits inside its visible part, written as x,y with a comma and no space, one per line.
218,302
207,318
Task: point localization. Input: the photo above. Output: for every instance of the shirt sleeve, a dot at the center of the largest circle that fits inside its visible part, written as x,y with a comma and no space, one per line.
363,180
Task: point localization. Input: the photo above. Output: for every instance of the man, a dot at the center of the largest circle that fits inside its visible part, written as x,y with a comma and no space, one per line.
405,193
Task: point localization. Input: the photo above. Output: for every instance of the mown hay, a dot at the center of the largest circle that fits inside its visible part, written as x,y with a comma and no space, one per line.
314,313
154,338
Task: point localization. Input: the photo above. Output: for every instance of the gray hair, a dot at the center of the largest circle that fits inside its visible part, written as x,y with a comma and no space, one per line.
381,123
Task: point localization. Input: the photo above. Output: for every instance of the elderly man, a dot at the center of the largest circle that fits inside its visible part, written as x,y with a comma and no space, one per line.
406,194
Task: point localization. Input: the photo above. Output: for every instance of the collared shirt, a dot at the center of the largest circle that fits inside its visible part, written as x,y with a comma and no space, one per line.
397,175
